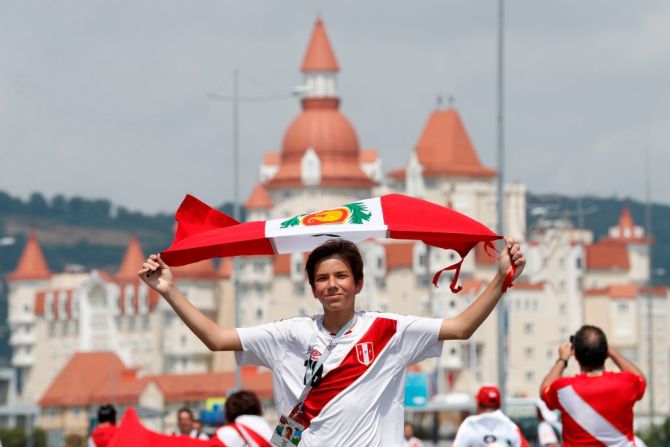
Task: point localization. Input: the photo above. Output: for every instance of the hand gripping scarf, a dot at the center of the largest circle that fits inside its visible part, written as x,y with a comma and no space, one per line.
204,233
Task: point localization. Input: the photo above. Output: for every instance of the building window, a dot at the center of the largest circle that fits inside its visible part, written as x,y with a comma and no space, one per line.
530,376
622,307
145,322
528,328
129,298
529,352
182,340
259,266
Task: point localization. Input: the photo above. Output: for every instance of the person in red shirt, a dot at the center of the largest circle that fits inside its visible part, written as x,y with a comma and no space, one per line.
596,405
106,429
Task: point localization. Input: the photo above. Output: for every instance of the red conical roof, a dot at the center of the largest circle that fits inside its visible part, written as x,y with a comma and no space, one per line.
319,55
444,148
626,222
32,264
259,199
132,261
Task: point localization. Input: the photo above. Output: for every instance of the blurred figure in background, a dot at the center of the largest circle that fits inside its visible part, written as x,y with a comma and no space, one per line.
411,440
596,405
106,429
197,426
245,425
548,427
489,426
185,425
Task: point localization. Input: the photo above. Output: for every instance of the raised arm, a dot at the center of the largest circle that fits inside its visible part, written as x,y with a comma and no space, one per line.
466,323
623,363
565,351
158,276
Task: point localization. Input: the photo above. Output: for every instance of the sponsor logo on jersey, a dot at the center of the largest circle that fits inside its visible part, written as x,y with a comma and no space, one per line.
314,354
365,353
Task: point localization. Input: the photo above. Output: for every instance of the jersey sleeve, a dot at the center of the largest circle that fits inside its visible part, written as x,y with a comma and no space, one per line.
420,338
637,384
263,345
550,395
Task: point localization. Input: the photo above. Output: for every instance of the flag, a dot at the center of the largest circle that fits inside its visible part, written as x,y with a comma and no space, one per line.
131,433
203,232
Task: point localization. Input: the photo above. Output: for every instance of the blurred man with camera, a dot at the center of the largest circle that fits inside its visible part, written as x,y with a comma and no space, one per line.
596,405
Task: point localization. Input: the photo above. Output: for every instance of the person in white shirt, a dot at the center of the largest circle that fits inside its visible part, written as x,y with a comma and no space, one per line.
338,378
245,425
489,427
548,425
185,425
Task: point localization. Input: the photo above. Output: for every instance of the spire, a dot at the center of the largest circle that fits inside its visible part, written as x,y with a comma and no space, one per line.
626,223
319,55
132,261
32,265
626,230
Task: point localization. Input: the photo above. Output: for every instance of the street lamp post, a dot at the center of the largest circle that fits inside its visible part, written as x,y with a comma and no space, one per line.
235,99
501,312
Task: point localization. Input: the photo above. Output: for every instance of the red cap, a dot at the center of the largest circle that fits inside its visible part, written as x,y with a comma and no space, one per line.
489,396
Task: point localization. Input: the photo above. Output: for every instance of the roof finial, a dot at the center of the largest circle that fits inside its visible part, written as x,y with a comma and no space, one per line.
438,101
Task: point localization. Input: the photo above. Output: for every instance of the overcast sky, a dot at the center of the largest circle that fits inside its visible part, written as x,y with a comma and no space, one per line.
108,99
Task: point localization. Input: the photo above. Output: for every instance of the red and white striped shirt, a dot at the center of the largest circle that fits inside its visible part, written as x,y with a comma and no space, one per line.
361,396
247,431
596,409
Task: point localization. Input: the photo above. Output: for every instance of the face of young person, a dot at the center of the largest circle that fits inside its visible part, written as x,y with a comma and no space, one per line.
334,285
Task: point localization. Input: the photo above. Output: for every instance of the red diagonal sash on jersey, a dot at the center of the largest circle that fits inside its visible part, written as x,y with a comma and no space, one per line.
347,372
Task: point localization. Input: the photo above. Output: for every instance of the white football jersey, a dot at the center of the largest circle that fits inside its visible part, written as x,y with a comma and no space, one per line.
248,431
487,430
360,400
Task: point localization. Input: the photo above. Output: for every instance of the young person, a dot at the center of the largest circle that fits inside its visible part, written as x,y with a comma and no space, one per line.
338,378
245,425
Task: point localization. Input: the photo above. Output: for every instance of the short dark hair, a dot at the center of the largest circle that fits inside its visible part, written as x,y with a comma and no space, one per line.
185,410
590,345
107,413
342,249
242,402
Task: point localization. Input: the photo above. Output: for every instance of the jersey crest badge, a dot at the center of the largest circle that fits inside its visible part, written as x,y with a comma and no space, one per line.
365,353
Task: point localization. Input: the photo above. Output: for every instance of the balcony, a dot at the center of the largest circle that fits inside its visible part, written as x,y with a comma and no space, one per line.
21,338
22,318
21,359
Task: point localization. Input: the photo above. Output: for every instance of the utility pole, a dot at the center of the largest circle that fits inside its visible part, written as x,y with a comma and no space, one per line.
650,316
236,208
235,99
501,311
